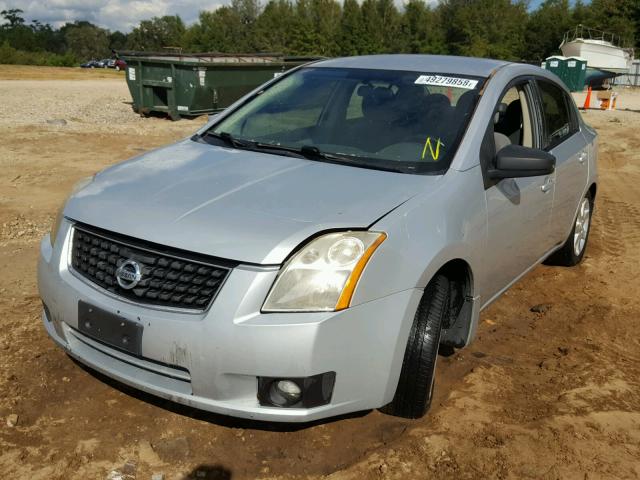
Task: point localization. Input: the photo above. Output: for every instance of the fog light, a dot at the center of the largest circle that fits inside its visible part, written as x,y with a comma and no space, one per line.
285,393
299,392
289,389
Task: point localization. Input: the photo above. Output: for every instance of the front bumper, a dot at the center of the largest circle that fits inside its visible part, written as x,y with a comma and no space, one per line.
211,360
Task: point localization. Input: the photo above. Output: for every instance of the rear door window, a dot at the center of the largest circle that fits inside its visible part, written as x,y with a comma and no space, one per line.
559,124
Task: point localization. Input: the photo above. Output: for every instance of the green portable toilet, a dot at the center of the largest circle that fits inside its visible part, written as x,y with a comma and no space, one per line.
577,72
558,65
196,84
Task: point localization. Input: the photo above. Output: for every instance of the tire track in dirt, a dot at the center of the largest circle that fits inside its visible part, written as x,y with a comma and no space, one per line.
619,228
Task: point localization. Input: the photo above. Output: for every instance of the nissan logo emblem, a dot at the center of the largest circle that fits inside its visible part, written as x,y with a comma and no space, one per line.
128,274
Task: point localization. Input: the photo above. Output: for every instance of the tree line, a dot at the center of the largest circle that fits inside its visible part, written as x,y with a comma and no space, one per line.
503,29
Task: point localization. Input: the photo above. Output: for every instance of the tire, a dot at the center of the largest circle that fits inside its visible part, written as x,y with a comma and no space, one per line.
571,253
415,386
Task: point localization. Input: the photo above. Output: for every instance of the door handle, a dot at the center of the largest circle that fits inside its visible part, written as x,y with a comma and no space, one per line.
582,156
547,185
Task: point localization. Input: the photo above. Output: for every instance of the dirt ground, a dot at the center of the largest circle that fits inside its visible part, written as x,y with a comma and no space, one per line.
546,394
22,72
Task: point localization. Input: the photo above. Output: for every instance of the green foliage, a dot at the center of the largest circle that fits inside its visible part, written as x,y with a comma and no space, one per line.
420,29
217,31
351,36
621,17
157,33
381,26
86,40
546,27
117,40
10,55
503,29
315,28
229,29
273,27
13,16
485,28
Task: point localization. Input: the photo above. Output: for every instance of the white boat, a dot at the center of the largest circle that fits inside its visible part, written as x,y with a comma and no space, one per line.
600,49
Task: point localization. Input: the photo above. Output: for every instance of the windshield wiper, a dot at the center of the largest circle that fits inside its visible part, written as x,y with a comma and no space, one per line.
314,153
309,152
276,149
229,139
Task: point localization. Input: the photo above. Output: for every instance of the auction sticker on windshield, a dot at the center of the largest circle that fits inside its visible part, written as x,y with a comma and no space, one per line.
439,80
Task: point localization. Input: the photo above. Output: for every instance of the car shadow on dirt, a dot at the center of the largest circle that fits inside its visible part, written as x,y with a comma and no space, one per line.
209,472
214,418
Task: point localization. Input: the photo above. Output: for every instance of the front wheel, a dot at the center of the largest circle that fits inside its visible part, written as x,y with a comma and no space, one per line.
415,386
573,249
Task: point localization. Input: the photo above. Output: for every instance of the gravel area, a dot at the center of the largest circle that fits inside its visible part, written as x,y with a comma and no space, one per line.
83,104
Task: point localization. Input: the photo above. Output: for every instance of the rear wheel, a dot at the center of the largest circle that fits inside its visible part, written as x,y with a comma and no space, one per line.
573,249
415,386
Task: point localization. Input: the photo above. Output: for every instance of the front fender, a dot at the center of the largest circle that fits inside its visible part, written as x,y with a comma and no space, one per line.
447,222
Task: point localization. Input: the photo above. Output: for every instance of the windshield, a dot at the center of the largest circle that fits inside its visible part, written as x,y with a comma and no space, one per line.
410,122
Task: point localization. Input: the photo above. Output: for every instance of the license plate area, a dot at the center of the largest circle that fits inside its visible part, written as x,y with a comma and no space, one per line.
110,328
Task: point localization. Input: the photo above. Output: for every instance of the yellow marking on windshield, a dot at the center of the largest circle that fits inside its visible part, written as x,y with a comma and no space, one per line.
434,154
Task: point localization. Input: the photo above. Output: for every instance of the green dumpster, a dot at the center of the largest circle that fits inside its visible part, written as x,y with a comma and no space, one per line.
577,70
182,85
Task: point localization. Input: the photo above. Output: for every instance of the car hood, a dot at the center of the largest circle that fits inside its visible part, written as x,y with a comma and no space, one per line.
236,204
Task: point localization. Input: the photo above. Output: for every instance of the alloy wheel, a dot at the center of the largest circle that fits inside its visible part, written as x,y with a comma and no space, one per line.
581,229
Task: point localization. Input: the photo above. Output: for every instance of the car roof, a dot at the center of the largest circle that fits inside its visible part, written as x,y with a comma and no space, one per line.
480,67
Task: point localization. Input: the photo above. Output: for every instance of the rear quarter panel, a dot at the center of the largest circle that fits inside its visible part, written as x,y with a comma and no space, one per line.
591,139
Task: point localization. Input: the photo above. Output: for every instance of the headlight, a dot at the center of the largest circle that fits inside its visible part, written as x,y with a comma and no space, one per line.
323,275
79,185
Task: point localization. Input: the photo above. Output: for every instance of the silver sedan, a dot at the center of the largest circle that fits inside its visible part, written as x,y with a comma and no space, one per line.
305,253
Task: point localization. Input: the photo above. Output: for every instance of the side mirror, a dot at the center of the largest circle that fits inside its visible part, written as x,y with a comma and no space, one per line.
515,161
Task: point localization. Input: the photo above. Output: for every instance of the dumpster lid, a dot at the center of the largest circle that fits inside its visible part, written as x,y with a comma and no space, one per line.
217,57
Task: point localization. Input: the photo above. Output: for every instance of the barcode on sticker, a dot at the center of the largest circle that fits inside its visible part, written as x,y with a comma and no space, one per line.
439,80
132,73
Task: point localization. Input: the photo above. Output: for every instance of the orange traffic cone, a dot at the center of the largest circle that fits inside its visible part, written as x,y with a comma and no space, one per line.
587,101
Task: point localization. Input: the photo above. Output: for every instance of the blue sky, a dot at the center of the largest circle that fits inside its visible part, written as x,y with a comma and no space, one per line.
533,4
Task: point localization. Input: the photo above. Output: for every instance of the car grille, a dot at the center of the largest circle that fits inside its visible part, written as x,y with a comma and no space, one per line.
170,277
